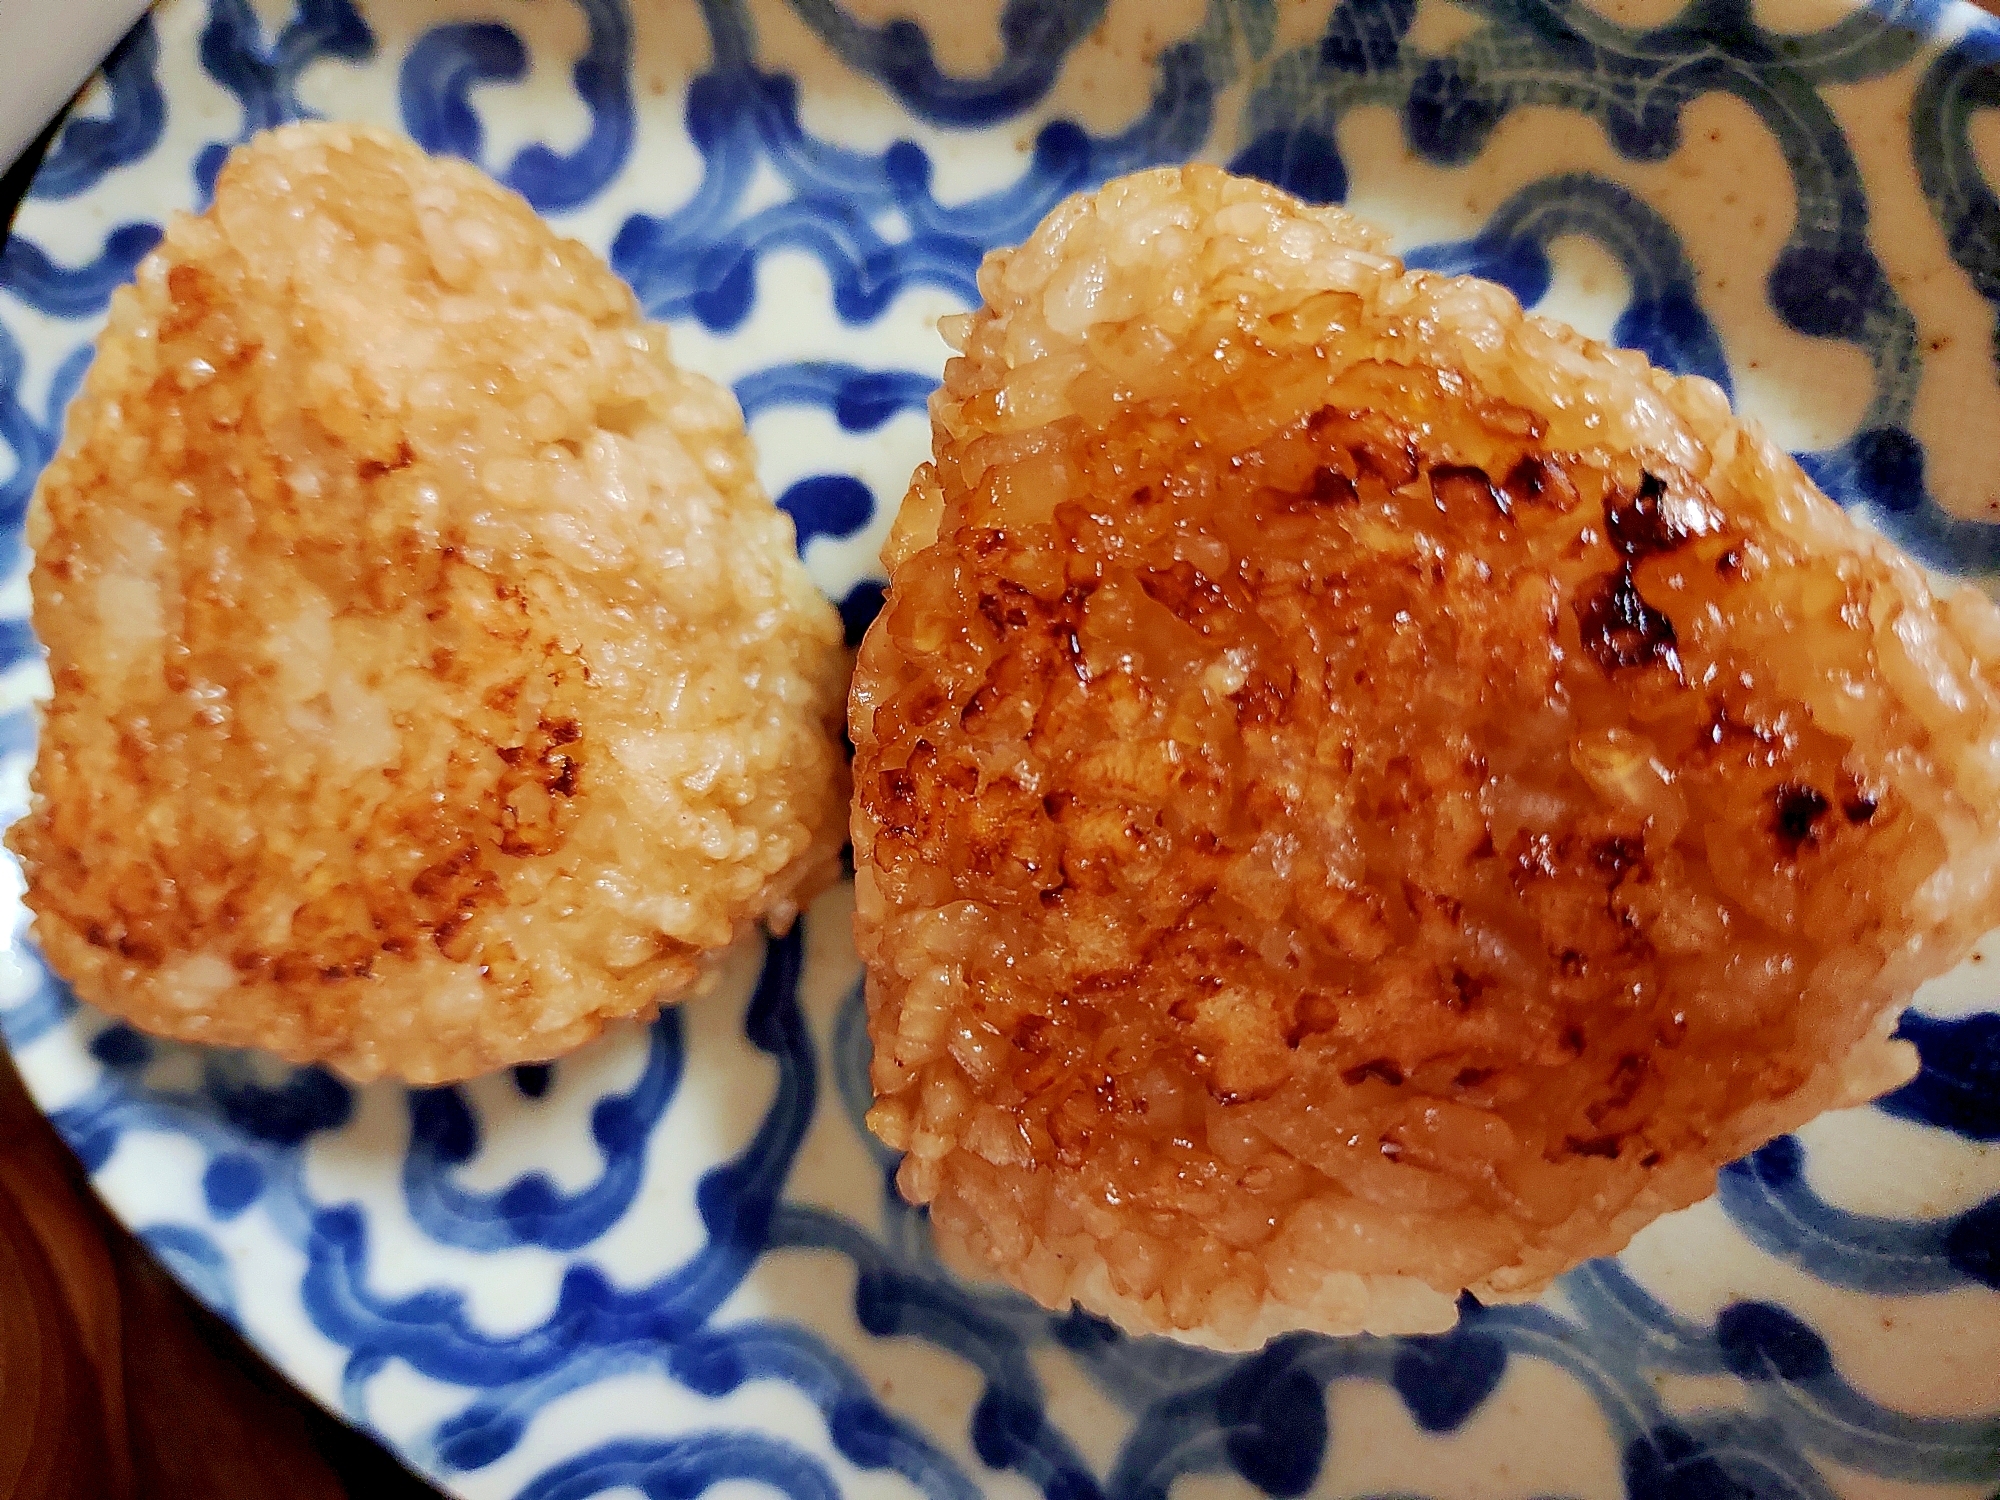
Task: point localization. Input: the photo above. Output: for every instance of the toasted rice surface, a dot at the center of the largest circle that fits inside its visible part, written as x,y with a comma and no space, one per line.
432,679
1362,793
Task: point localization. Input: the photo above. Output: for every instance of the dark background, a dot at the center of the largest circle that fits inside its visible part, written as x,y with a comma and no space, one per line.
114,1382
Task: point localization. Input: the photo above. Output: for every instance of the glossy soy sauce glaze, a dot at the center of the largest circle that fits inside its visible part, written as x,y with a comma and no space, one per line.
1332,786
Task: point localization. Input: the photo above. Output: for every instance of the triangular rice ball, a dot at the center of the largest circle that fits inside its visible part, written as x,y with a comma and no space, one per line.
1362,793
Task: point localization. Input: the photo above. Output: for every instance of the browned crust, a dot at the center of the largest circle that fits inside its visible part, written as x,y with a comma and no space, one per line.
1361,793
432,680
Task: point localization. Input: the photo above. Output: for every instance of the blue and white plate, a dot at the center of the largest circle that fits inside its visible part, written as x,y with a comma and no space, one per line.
675,1260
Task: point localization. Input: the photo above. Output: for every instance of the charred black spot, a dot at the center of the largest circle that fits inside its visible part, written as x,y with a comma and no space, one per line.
1626,1080
563,731
1573,1040
1186,591
1596,1145
1535,858
1329,486
1639,525
1394,465
1860,809
896,794
1796,811
1529,481
375,468
982,702
1315,1014
1615,856
1464,484
1542,480
1465,989
1730,564
1622,630
1383,1068
1009,608
563,784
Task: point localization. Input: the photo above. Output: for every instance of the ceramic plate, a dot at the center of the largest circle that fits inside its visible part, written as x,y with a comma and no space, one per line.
675,1260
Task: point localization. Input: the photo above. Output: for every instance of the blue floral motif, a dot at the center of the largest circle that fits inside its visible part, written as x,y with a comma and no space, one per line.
50,1006
735,1201
835,505
698,263
859,609
230,1114
872,219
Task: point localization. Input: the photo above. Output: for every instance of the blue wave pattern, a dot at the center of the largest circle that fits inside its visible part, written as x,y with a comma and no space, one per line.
445,63
1262,1417
1635,85
1767,1195
263,71
533,1211
1664,319
873,221
91,145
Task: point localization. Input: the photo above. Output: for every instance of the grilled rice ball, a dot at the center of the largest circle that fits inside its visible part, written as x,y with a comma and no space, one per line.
1361,793
433,682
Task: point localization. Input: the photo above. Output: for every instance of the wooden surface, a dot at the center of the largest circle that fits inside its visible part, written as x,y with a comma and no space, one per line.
114,1383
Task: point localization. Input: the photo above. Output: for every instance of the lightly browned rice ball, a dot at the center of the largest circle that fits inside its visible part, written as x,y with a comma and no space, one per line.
433,681
1361,793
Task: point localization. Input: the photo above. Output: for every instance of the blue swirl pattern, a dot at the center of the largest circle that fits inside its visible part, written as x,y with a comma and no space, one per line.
263,72
1778,1418
444,63
532,1210
90,145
